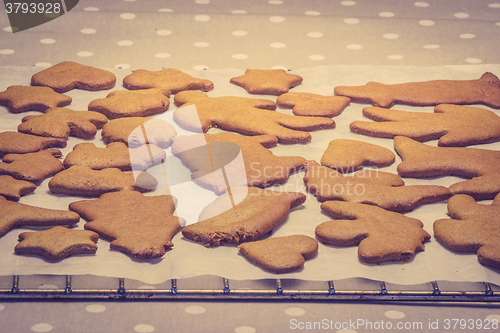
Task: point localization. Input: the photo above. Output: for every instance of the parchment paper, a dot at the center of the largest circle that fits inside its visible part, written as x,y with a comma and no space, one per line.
189,259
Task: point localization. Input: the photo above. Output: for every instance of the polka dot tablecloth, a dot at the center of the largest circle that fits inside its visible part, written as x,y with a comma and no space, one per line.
220,34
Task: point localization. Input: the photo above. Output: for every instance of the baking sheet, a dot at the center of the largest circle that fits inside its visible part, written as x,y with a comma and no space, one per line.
189,259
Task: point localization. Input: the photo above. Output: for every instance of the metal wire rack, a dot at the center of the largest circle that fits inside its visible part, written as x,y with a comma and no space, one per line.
225,292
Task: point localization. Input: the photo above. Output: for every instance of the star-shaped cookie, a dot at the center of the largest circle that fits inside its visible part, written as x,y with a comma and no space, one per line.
28,98
197,112
69,75
453,125
255,215
57,243
260,167
135,103
280,254
168,78
140,226
313,105
485,90
82,180
63,122
472,227
481,165
372,187
20,143
15,214
267,81
382,235
32,167
115,155
13,189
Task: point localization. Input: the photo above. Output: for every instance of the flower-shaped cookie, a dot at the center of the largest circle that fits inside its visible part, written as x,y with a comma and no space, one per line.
198,112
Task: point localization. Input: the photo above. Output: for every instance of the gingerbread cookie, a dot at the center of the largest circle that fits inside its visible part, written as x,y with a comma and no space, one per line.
69,75
138,131
257,214
381,235
267,81
421,161
140,226
63,122
15,214
346,155
453,125
371,187
485,90
472,227
20,143
313,105
13,189
135,103
32,167
115,155
27,98
281,254
82,180
260,167
245,116
169,78
57,243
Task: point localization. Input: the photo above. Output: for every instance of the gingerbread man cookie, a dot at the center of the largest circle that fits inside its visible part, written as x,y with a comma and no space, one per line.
27,98
481,165
381,235
453,125
69,75
371,187
135,103
140,226
63,122
57,243
169,78
473,228
245,116
313,105
485,90
267,81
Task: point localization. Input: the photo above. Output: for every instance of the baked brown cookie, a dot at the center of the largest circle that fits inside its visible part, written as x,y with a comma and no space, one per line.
32,167
69,75
267,81
472,227
453,125
63,122
15,214
140,226
257,214
381,235
82,180
168,78
481,165
20,143
135,103
281,254
346,155
138,131
27,98
485,90
371,186
57,243
313,105
259,168
13,189
197,112
115,155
